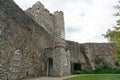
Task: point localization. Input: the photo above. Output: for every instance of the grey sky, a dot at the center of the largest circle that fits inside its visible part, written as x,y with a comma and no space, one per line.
85,20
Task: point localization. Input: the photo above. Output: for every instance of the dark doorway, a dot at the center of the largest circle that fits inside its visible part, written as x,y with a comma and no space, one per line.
50,67
77,66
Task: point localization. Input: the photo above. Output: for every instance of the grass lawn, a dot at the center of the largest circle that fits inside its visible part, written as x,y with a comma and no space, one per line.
97,77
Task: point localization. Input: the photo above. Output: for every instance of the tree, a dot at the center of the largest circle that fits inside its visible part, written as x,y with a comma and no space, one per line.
114,34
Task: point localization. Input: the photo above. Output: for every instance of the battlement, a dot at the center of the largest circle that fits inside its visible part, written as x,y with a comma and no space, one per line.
58,13
38,8
42,16
52,23
38,5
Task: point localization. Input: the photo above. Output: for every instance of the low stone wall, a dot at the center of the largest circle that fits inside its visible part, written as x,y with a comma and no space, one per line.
91,55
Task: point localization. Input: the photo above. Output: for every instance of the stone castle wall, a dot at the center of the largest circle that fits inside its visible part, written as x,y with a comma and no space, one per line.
33,37
92,55
20,32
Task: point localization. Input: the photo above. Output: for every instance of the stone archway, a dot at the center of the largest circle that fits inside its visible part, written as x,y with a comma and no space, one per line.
50,67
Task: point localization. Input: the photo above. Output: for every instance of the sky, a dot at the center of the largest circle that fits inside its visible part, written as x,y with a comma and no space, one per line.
85,20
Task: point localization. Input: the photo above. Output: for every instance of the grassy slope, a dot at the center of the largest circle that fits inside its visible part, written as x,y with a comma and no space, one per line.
97,77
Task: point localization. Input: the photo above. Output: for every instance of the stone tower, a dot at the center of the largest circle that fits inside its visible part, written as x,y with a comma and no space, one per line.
59,31
62,55
57,61
42,16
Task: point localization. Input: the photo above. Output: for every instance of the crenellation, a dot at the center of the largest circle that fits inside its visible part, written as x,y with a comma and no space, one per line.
47,11
38,5
59,12
43,17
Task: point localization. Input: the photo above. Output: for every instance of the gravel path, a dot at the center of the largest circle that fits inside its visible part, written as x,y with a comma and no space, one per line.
52,78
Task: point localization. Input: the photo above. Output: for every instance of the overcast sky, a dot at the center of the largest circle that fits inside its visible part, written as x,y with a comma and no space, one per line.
85,20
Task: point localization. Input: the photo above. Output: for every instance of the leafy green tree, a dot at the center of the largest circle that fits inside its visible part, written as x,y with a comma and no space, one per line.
114,34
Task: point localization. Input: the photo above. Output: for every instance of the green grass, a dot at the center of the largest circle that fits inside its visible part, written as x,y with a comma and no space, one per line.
96,77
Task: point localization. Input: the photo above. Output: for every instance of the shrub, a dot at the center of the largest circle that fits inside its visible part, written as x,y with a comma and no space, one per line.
98,70
76,72
115,71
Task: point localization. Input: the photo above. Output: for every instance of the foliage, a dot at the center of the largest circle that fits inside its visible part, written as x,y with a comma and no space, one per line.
96,77
83,72
114,34
118,8
98,70
116,29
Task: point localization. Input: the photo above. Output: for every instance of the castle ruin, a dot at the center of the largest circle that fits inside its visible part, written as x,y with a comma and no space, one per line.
32,44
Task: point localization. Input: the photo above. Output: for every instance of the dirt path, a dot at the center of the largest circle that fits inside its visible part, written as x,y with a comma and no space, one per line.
52,78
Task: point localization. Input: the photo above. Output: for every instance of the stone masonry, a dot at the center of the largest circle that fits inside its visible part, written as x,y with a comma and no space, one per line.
92,55
32,44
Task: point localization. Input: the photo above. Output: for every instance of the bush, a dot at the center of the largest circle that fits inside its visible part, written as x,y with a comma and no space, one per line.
98,70
115,71
87,71
101,70
83,72
76,72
